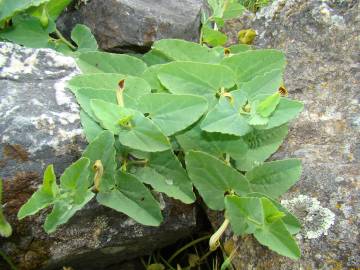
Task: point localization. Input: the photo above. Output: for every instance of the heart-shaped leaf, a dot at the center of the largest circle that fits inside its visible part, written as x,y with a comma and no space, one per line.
84,39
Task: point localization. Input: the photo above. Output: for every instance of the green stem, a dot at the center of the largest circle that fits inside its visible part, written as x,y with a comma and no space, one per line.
63,39
166,263
7,260
192,243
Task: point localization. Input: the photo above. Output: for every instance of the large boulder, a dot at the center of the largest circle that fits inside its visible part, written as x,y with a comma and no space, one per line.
321,41
40,125
133,25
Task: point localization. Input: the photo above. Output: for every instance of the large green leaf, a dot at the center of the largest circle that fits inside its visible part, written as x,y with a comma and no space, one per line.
172,113
75,181
226,116
102,148
27,31
43,197
131,197
261,217
63,210
196,78
5,227
213,178
8,8
165,174
239,48
274,178
181,50
90,127
250,64
257,146
84,39
286,110
142,135
263,85
95,62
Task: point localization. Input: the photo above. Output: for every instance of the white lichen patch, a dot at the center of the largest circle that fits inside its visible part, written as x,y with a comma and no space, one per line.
17,65
316,220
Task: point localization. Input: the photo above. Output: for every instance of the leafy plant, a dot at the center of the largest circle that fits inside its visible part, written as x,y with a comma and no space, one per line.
182,115
31,23
5,228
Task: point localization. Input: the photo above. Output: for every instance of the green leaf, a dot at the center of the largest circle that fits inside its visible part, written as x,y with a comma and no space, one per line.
63,210
286,110
261,217
131,197
43,197
239,48
27,31
102,148
90,127
5,228
262,86
165,174
110,81
155,57
213,37
97,62
181,50
196,78
8,8
250,64
53,8
213,178
226,118
84,39
233,10
143,134
172,113
257,146
274,178
150,75
75,180
290,221
268,105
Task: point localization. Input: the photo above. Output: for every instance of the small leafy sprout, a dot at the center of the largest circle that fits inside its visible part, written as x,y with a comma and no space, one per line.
126,121
99,171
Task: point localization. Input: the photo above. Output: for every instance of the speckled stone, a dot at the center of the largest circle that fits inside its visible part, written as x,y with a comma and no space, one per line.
133,25
322,42
40,125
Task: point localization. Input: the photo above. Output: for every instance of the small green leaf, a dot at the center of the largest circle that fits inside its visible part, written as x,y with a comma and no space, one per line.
27,31
213,37
181,50
98,62
131,197
91,128
172,113
213,178
226,117
274,178
196,78
250,64
43,197
5,227
75,180
63,210
268,105
165,174
143,134
84,39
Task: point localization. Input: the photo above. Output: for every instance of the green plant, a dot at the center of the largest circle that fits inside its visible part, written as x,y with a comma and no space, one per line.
182,115
31,23
5,228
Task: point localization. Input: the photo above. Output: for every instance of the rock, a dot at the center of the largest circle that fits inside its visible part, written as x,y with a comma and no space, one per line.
133,25
39,126
321,40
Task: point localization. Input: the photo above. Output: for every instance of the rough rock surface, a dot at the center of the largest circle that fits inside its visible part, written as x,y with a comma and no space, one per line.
321,40
40,125
133,25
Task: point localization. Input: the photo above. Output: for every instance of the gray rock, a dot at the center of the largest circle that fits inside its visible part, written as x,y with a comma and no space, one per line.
40,126
133,25
321,40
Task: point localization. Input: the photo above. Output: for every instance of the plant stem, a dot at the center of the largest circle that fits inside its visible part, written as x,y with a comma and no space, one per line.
63,39
192,243
166,263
